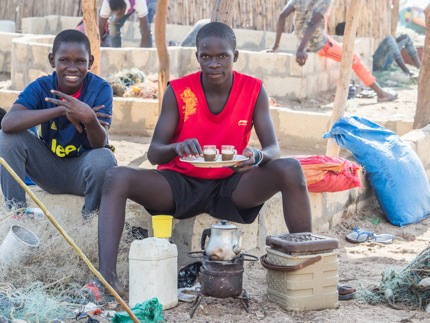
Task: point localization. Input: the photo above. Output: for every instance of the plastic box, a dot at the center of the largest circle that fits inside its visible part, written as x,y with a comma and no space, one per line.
303,281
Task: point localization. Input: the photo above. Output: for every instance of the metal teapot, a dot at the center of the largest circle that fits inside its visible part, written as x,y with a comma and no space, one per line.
225,241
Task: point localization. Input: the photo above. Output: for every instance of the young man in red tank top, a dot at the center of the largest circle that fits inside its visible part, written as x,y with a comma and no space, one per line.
215,106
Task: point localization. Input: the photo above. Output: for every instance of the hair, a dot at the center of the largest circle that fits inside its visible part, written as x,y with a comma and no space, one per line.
217,29
71,36
340,29
117,5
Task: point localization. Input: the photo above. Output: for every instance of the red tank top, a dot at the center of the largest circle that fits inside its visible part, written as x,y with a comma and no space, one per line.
232,126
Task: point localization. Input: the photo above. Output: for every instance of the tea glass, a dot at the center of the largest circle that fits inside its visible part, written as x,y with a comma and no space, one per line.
210,153
228,152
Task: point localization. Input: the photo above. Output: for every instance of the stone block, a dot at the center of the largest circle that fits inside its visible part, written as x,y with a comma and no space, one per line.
258,63
7,98
317,83
137,58
7,26
53,25
284,86
420,141
20,51
34,25
18,81
186,61
134,116
308,126
34,73
272,217
39,57
68,22
113,60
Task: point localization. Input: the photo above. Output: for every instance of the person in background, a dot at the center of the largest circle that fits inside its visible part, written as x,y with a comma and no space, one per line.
121,10
217,106
310,27
152,9
104,36
389,51
73,109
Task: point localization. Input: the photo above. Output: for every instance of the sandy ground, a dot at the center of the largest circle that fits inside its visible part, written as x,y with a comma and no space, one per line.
360,266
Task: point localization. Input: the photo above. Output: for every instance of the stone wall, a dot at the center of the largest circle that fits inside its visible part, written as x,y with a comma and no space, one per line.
281,75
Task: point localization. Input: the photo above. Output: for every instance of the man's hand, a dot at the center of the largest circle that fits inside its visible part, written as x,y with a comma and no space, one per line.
76,111
272,50
247,165
301,57
189,147
102,115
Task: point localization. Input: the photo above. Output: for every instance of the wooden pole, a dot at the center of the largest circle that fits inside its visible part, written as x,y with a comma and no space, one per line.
162,52
223,11
89,9
345,71
68,239
394,16
422,113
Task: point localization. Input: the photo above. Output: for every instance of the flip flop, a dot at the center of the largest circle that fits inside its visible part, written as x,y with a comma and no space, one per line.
366,94
359,235
95,292
383,238
346,292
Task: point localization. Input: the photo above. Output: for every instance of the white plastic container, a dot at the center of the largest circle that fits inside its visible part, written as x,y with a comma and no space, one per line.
153,265
18,245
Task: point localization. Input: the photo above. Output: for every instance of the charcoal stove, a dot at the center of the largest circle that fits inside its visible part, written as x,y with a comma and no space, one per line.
222,279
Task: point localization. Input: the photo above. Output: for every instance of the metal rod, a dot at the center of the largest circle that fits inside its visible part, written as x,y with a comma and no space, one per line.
69,240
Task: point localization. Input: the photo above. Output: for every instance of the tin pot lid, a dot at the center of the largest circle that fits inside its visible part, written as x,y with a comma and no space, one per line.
224,225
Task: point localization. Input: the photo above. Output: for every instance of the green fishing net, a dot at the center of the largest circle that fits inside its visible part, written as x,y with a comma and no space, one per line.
402,289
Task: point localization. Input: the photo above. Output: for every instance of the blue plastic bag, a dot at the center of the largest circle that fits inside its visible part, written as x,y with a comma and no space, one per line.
392,167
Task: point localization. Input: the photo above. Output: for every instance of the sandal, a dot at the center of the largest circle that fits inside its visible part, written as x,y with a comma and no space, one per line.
359,236
346,292
95,292
366,94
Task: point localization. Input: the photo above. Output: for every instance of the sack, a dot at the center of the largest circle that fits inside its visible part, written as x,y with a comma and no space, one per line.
393,168
329,174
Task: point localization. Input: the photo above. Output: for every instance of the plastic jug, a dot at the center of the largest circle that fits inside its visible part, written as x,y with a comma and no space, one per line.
153,266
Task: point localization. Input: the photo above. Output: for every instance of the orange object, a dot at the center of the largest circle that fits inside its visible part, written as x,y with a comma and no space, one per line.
329,174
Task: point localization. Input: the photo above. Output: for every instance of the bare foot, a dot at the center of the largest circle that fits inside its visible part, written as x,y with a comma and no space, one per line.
387,96
115,284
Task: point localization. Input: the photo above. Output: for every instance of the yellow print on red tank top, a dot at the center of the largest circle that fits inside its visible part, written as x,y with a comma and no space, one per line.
190,101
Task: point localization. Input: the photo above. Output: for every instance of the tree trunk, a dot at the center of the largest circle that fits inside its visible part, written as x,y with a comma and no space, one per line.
223,11
422,113
163,54
394,17
345,71
89,10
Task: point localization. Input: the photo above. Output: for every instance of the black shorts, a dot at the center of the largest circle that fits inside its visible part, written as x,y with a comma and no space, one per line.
194,196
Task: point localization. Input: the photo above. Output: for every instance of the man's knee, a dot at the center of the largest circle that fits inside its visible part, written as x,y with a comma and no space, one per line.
99,161
290,170
116,177
11,141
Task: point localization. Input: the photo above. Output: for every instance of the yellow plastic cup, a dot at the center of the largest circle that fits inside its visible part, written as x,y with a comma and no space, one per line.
162,226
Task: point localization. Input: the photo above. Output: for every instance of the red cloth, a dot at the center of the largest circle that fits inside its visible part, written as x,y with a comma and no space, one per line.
230,127
329,174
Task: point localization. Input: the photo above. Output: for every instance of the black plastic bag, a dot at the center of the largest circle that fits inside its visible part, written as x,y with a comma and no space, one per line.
187,276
